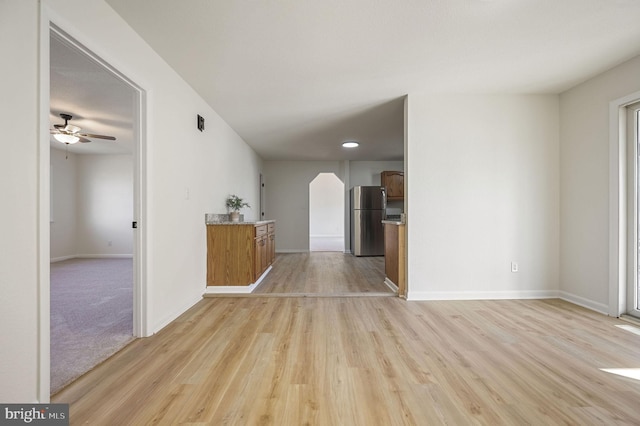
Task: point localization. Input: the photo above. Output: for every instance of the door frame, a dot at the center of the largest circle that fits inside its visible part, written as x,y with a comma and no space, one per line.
49,23
618,204
632,112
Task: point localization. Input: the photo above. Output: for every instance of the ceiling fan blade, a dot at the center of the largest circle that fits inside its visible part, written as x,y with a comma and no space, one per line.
83,140
89,135
59,126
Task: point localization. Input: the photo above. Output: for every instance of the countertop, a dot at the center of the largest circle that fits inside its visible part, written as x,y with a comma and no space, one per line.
256,223
223,219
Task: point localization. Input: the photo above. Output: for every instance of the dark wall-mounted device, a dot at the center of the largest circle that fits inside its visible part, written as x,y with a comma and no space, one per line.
200,122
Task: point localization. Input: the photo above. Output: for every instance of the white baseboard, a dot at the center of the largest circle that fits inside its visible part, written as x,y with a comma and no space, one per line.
236,289
91,256
391,284
487,295
60,259
104,256
264,274
502,295
230,289
585,303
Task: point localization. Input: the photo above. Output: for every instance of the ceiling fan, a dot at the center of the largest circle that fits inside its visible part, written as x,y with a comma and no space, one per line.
70,134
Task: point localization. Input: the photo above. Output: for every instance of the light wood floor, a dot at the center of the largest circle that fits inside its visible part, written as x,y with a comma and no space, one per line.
328,273
368,361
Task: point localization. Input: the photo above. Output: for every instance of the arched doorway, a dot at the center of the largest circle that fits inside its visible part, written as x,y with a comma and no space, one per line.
326,213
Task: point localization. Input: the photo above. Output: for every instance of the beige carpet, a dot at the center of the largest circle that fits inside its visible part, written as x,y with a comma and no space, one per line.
91,314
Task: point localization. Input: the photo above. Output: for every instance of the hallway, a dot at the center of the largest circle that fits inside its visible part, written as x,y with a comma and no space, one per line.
325,273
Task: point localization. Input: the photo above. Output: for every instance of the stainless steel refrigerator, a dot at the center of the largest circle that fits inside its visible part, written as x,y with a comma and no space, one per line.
368,206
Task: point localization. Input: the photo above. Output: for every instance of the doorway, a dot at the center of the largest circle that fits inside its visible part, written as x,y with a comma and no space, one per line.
326,213
95,194
326,268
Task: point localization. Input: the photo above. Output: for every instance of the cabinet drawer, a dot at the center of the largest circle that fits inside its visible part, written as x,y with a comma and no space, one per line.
271,228
261,230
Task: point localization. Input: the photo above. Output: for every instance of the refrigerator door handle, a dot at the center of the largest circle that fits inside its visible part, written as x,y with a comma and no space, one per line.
384,201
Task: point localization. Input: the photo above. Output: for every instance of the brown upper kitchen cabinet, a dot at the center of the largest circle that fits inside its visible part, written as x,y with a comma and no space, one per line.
394,183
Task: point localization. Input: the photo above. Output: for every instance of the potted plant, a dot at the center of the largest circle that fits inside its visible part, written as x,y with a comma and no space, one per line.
234,204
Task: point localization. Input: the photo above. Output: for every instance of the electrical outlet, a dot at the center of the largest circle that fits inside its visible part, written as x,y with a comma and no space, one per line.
514,267
109,243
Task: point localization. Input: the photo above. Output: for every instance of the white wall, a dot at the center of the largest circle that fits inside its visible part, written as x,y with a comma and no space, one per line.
64,227
367,173
287,198
483,194
210,165
105,205
584,154
92,201
19,361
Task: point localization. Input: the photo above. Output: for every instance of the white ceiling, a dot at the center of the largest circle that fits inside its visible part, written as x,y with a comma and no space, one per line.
100,102
295,78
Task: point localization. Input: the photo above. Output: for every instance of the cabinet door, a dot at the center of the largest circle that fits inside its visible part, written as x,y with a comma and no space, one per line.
264,254
268,250
272,248
394,182
258,257
271,243
391,252
229,255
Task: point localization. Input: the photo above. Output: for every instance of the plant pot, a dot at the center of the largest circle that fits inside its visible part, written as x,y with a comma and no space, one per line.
234,216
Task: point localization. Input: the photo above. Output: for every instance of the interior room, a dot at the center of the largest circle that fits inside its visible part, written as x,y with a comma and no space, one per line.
91,199
514,126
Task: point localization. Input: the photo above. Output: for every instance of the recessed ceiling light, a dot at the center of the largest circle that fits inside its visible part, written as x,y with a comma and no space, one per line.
350,144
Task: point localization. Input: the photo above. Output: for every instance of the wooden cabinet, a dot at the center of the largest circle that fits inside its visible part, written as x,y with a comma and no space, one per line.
265,247
271,243
238,254
391,253
260,257
394,183
394,256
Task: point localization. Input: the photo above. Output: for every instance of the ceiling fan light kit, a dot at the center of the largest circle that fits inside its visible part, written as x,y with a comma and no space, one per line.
64,138
70,134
